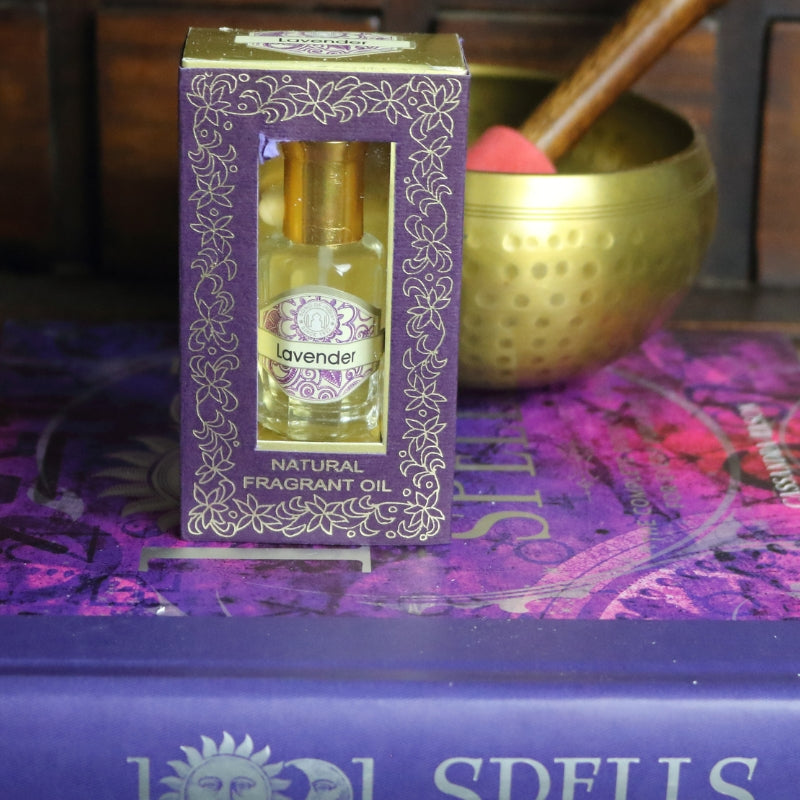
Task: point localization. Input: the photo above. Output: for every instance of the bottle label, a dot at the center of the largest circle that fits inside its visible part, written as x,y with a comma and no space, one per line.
315,44
320,344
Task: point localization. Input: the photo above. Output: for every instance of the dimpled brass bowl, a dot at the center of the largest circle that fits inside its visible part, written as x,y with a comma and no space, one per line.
564,273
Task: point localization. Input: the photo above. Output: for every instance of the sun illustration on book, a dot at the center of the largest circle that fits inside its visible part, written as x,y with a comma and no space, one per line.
150,477
228,770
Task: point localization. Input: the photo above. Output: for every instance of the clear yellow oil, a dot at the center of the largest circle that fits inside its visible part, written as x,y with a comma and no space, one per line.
357,269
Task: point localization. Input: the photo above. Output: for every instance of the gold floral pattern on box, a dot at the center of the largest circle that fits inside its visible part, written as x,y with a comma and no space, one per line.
421,109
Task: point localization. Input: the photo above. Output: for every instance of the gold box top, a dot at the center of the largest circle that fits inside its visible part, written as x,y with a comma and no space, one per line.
335,51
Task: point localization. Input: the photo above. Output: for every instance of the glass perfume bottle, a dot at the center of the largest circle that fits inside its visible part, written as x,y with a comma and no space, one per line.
321,295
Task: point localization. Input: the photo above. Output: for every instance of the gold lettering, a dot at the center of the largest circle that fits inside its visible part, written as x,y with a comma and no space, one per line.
292,483
367,776
485,524
308,465
460,496
143,770
527,466
514,434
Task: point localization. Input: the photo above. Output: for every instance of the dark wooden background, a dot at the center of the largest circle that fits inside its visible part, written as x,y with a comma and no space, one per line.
88,141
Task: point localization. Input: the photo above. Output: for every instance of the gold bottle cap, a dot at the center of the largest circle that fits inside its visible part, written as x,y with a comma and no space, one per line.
324,192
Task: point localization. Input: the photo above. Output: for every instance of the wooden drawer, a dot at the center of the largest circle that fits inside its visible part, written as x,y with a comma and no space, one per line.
778,230
25,147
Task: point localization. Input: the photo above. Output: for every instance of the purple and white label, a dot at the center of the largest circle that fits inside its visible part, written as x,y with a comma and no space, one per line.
320,344
315,44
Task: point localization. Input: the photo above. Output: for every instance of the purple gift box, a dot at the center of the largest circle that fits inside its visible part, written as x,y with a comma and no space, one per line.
314,410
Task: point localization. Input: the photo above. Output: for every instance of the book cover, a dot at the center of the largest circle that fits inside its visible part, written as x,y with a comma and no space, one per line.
613,618
662,487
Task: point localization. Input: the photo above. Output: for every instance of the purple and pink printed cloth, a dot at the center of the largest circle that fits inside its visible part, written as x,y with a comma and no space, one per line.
664,486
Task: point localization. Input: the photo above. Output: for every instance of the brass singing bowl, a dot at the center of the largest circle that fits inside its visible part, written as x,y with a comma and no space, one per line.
565,273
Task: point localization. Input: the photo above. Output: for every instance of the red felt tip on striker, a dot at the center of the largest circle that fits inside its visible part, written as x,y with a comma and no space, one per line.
503,149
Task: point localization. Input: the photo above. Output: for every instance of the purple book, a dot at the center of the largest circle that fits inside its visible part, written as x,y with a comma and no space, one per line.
662,487
574,641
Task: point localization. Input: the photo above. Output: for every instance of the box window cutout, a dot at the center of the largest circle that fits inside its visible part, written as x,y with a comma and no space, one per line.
324,282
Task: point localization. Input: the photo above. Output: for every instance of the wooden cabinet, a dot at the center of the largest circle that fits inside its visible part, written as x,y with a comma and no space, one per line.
26,166
88,96
778,229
